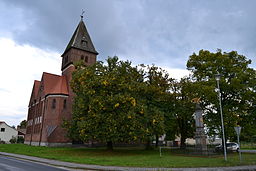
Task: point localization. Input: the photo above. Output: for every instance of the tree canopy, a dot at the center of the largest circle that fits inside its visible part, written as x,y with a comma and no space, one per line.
237,86
117,102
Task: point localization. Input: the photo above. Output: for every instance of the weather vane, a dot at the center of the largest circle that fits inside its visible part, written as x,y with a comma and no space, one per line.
82,15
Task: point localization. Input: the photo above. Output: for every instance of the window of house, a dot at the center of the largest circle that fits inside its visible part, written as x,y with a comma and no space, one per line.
2,129
82,57
86,59
54,103
65,104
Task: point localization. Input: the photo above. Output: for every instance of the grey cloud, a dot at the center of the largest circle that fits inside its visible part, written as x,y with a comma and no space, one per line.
144,31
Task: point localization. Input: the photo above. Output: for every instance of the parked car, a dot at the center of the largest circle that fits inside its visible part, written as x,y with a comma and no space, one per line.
231,146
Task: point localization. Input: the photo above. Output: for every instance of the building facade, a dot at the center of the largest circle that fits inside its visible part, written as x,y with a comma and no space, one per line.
52,97
7,132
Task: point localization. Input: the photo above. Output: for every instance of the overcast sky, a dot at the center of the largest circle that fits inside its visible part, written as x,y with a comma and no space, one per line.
34,33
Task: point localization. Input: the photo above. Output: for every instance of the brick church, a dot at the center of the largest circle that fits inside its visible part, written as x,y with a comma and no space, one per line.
52,97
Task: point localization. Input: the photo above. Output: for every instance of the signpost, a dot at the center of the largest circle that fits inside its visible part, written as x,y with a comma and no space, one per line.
238,131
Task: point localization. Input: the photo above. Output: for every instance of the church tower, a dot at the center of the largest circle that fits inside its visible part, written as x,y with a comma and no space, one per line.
80,47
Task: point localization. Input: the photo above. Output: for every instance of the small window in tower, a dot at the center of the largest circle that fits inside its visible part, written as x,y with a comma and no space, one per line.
82,57
66,59
84,41
54,103
65,104
86,59
2,129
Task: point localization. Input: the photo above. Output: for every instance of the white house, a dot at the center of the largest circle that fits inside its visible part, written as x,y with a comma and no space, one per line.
7,132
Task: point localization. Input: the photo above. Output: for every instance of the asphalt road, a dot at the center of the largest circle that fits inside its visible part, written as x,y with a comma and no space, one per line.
13,164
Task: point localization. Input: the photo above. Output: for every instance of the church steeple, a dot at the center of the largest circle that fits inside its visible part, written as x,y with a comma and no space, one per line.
81,39
80,47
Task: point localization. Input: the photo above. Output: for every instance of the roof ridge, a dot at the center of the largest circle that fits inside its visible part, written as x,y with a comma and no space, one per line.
52,74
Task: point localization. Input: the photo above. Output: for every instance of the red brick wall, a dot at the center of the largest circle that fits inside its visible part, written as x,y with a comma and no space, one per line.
54,117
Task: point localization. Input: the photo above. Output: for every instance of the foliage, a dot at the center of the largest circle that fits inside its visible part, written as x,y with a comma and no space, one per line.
22,124
13,140
116,102
237,86
183,108
1,141
154,97
20,139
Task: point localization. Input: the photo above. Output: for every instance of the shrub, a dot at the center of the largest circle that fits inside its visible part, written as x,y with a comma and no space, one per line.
253,139
13,140
20,140
1,142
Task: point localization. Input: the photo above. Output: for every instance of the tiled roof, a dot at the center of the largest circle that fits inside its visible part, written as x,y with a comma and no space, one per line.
36,87
54,84
34,91
21,131
81,40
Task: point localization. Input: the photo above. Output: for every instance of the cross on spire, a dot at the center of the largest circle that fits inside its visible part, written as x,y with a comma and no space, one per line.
82,15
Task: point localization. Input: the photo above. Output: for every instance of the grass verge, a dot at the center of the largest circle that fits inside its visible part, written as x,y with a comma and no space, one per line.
132,157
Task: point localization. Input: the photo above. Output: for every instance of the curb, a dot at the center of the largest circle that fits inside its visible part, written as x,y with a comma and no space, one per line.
70,165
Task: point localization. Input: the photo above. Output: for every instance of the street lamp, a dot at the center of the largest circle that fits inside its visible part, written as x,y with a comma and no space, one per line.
217,77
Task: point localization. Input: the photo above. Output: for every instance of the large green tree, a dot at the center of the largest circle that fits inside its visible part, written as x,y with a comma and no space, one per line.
111,104
183,109
237,86
153,96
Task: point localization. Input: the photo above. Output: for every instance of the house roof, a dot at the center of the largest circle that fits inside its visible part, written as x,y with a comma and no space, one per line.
54,84
81,40
2,122
21,131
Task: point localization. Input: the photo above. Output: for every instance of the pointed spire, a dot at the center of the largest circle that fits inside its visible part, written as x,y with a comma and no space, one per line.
81,39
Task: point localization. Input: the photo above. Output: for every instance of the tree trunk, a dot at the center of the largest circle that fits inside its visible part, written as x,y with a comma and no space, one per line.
157,140
110,145
148,144
182,141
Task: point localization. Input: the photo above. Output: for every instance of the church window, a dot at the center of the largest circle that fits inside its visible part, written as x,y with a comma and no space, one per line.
84,41
65,104
54,103
86,59
66,59
2,129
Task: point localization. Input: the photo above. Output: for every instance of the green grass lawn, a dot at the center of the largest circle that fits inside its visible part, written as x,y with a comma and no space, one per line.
248,146
135,157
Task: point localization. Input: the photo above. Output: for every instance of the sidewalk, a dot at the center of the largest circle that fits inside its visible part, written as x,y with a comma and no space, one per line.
96,167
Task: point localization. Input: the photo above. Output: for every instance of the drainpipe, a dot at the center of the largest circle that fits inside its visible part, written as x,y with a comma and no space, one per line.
41,132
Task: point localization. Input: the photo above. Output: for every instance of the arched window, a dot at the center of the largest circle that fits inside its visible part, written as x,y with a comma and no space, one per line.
82,57
66,59
65,104
86,59
54,103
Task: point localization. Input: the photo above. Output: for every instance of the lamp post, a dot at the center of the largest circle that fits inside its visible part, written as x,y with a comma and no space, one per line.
217,77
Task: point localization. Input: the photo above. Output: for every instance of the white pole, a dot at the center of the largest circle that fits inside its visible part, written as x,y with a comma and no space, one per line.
222,123
240,156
